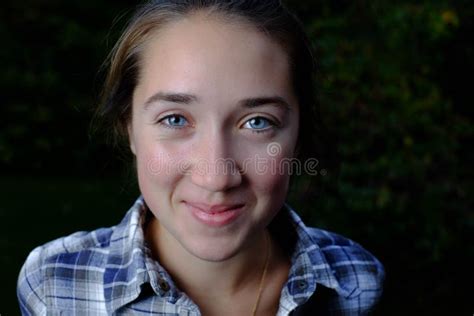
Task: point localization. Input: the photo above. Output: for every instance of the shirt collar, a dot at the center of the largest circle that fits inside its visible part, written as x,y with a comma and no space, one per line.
125,270
130,265
309,265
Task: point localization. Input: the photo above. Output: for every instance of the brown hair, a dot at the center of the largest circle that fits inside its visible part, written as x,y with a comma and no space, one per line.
269,16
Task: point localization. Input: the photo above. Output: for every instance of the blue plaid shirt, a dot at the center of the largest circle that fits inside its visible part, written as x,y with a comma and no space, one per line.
111,271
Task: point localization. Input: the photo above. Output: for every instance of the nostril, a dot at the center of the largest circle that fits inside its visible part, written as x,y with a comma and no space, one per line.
217,176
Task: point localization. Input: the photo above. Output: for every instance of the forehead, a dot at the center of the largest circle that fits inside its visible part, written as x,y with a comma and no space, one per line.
213,57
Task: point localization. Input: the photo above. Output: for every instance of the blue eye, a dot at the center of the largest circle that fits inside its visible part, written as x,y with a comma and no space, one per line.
173,121
259,124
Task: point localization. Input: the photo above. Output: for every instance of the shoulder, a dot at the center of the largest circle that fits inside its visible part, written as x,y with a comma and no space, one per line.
60,259
338,247
70,249
78,241
357,271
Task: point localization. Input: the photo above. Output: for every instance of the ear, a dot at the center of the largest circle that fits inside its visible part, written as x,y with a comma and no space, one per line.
131,138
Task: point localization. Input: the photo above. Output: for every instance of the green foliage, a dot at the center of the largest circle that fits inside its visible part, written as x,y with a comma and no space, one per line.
404,185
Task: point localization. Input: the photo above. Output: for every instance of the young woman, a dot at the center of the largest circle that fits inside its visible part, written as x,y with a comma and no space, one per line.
212,97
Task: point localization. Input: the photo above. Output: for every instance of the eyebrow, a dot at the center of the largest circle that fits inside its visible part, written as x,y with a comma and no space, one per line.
260,101
185,98
182,98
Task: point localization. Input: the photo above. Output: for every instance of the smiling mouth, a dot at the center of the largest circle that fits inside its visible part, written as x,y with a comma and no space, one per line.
216,208
215,215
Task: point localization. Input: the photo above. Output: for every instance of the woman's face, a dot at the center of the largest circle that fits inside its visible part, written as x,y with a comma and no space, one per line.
213,117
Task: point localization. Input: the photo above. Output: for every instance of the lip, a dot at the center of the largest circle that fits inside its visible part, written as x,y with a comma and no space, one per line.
216,215
215,208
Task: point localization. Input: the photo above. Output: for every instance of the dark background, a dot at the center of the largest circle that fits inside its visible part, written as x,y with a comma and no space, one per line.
396,91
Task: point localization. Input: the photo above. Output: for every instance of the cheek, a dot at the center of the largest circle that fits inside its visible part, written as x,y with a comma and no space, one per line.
268,174
270,190
271,184
157,166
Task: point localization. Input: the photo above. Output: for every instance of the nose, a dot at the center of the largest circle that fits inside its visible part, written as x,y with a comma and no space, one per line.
213,167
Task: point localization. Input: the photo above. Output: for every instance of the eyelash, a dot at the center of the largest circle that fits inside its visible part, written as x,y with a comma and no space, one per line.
272,124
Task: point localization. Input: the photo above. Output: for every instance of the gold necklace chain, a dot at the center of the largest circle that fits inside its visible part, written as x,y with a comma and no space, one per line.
264,273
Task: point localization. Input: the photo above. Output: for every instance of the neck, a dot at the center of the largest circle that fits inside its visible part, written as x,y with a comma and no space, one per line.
228,278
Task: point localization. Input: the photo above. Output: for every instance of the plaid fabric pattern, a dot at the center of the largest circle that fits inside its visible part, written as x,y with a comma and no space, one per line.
111,271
